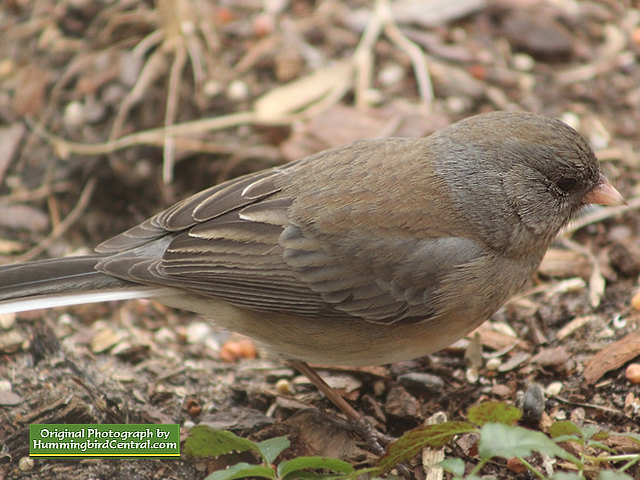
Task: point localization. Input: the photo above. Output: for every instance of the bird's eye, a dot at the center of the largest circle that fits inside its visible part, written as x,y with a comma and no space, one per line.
567,184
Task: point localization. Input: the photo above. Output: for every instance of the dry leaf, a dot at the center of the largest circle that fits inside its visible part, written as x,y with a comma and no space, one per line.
299,94
23,217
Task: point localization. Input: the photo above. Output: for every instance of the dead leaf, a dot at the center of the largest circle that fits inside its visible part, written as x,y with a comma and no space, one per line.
30,91
23,217
299,94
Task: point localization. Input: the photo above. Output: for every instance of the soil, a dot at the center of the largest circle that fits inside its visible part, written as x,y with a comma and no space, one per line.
85,88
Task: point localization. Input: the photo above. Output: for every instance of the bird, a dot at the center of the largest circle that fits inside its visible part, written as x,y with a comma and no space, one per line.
376,252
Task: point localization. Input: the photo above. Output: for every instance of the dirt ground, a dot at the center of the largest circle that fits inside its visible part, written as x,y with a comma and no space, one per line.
85,87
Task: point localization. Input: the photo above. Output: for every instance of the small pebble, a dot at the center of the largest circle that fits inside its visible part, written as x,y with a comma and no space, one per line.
26,464
493,364
635,301
236,349
283,386
532,405
391,74
73,116
523,62
455,104
197,332
633,373
571,119
554,388
238,90
7,320
188,424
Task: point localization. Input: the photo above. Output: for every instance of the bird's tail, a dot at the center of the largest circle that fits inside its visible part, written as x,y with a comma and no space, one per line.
63,281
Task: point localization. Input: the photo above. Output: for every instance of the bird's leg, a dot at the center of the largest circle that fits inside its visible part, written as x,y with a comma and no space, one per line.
364,428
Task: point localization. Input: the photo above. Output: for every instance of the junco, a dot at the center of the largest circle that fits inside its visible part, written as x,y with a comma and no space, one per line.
380,251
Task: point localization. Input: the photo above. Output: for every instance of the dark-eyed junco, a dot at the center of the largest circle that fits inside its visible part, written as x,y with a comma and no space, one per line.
379,251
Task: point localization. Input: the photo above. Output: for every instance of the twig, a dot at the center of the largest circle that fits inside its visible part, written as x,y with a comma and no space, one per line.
154,136
37,194
382,18
63,226
175,76
149,73
417,56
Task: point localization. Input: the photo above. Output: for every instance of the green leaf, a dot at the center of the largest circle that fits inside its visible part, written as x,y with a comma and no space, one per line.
569,438
316,463
413,441
498,440
611,475
602,446
204,441
243,470
567,476
591,432
564,428
453,465
494,412
272,447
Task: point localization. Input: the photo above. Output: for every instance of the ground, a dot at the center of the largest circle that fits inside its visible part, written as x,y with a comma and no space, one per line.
85,87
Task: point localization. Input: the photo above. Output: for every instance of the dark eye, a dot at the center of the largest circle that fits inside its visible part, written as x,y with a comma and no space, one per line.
567,184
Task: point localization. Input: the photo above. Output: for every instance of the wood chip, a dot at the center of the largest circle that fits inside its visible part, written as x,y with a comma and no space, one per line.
557,357
612,357
574,325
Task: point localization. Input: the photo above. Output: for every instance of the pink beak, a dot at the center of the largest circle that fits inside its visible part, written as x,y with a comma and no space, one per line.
603,194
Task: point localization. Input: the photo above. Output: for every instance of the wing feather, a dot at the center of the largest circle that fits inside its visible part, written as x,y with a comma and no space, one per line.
261,244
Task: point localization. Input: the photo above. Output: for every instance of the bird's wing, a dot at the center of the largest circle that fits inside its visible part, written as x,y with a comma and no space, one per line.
239,242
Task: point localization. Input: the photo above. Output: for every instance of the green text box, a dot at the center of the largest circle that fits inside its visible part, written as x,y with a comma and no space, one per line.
108,440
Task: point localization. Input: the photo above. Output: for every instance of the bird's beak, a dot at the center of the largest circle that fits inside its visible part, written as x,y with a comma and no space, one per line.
603,194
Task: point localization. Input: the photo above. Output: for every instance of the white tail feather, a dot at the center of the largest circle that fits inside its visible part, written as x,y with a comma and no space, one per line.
65,299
